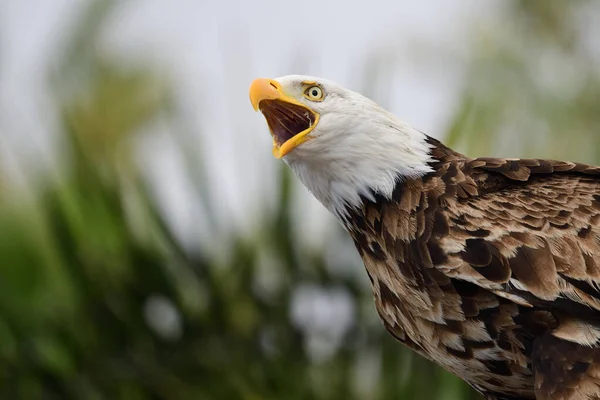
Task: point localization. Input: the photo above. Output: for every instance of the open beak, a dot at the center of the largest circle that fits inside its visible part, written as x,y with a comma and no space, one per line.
289,120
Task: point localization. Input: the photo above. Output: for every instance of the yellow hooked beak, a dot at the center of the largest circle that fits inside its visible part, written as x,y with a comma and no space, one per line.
289,120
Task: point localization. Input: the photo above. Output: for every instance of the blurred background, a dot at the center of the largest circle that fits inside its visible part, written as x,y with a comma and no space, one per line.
150,245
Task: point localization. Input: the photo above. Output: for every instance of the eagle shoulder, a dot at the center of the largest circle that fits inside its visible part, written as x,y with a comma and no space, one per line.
473,262
530,232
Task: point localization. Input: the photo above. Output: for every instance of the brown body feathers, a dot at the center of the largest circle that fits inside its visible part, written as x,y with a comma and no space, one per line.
491,268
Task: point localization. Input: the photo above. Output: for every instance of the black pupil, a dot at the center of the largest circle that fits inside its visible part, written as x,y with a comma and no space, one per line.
315,92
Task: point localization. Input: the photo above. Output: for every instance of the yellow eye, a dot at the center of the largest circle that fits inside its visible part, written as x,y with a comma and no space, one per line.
314,93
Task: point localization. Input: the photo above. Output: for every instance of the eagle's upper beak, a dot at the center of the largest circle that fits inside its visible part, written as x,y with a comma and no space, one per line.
289,120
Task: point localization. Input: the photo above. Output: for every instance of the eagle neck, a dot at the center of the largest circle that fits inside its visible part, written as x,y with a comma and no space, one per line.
440,156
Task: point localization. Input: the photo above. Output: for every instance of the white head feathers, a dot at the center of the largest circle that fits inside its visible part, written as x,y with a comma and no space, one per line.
356,149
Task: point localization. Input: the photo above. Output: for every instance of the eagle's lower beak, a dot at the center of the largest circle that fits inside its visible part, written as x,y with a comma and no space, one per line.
289,120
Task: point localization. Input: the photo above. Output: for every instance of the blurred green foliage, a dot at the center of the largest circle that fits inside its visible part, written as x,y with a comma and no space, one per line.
98,299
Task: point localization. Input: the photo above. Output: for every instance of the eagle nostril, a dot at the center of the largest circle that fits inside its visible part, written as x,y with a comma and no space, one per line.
274,85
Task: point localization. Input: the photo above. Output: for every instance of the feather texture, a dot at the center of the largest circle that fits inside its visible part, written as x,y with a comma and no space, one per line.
491,268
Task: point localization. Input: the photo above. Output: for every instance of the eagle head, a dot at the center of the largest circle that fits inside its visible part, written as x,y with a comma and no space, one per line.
341,145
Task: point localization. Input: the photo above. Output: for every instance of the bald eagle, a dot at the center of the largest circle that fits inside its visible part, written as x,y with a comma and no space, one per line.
489,267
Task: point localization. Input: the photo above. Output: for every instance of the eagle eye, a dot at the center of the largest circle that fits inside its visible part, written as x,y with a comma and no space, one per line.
314,93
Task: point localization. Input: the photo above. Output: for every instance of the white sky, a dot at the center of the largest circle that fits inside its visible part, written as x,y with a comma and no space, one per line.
214,50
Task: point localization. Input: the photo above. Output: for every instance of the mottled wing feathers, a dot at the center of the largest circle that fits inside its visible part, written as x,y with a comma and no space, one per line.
522,169
474,261
532,236
565,370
